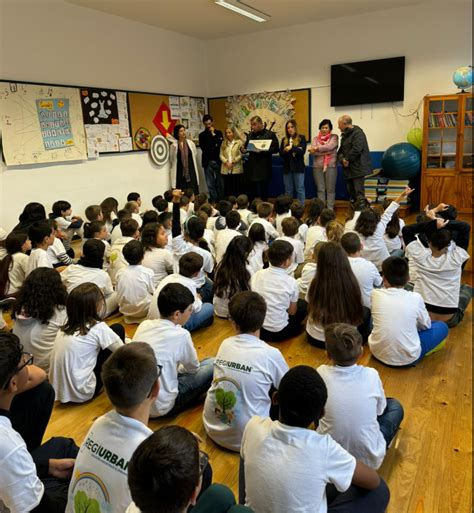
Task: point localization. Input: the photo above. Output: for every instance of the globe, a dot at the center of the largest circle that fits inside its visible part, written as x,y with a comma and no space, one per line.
402,161
462,77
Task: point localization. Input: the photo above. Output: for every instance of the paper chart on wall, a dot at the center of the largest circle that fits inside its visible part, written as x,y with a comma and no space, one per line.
175,107
41,124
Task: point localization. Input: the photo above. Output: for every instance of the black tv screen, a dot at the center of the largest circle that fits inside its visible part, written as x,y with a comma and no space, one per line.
378,81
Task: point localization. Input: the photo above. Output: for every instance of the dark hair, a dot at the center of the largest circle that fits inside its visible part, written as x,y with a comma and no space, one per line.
189,192
248,309
174,297
194,227
199,200
184,201
164,471
133,252
128,227
302,395
315,208
168,195
60,206
279,252
450,214
164,217
231,199
343,343
395,271
207,117
257,233
93,228
122,214
242,201
82,309
190,263
264,209
232,275
10,357
41,292
325,122
326,215
290,226
160,204
176,130
297,210
334,294
224,207
13,244
149,233
351,243
38,231
232,220
93,254
286,139
439,239
129,374
393,226
150,216
206,208
108,206
282,204
33,212
92,213
254,205
133,196
367,222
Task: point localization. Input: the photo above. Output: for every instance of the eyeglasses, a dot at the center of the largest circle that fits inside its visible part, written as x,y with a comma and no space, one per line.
160,370
203,461
28,359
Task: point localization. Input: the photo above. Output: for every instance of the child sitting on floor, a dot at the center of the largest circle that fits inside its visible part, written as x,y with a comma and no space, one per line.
281,208
317,232
129,230
289,228
13,265
259,240
157,258
41,235
265,211
243,208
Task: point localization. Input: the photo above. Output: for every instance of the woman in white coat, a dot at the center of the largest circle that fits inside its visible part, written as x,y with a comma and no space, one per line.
184,173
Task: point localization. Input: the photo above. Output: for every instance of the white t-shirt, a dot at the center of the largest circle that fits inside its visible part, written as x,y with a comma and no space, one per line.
17,273
181,247
303,232
368,277
20,488
397,316
298,253
137,218
223,239
116,234
244,214
37,338
256,257
134,291
287,468
76,274
117,260
307,275
438,280
278,290
101,466
154,312
73,360
314,235
245,369
160,261
270,231
278,220
355,399
173,347
57,252
396,242
38,258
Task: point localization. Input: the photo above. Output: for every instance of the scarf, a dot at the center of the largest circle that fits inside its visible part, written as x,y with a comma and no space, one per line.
322,140
184,150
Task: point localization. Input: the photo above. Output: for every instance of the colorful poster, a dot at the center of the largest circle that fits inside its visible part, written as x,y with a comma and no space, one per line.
53,116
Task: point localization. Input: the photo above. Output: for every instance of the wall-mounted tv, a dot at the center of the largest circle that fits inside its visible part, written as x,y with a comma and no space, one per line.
378,81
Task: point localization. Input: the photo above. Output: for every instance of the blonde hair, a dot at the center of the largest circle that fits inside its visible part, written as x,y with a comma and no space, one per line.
334,231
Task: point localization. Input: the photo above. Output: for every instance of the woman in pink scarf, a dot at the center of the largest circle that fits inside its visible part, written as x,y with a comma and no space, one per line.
324,150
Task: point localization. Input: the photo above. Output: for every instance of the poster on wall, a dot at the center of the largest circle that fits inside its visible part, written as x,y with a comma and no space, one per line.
41,124
106,120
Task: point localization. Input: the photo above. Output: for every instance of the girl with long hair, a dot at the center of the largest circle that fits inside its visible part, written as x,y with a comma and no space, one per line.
183,164
155,239
13,265
231,162
393,233
258,238
109,209
292,150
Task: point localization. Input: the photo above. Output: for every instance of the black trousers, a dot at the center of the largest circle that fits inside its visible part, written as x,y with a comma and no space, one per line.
356,188
258,190
292,329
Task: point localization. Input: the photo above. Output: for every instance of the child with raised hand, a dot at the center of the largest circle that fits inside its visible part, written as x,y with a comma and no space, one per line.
403,332
317,231
134,284
184,378
41,235
282,207
82,346
258,238
157,257
357,415
265,213
289,228
297,481
232,274
245,370
393,232
13,265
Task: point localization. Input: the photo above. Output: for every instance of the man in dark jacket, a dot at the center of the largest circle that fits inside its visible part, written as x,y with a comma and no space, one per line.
354,156
258,168
210,141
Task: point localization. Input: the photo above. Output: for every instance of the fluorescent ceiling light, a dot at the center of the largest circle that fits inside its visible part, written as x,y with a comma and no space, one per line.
243,9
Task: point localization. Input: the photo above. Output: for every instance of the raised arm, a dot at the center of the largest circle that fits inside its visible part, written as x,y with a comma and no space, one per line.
176,223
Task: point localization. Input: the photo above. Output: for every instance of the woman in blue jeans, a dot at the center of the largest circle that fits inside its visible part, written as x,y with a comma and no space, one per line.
292,150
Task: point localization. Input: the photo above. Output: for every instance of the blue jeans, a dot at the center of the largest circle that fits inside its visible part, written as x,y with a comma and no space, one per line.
294,185
207,291
390,419
201,319
192,386
432,337
214,180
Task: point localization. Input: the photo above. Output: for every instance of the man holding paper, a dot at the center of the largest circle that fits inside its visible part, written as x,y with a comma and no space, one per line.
260,145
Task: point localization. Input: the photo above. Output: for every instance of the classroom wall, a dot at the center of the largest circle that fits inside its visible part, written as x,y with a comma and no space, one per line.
52,41
435,37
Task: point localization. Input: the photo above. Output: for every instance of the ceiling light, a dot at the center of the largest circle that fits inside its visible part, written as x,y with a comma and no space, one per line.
243,9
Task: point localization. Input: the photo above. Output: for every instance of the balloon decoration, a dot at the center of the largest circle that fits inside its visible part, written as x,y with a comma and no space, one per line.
415,137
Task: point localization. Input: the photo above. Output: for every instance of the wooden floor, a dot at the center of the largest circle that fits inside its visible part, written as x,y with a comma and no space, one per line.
428,468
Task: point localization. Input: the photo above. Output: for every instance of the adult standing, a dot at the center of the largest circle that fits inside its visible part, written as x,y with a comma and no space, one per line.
324,151
354,156
210,141
183,168
231,158
292,150
258,168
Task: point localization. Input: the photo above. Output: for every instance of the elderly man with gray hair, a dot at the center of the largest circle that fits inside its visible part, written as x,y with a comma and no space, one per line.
354,155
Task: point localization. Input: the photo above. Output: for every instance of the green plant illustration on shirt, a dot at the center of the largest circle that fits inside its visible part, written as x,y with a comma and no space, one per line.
225,402
83,504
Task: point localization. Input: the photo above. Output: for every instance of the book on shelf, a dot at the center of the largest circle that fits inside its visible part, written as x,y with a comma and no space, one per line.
468,119
443,120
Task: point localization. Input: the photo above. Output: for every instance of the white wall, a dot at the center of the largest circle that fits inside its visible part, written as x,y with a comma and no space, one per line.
435,37
54,42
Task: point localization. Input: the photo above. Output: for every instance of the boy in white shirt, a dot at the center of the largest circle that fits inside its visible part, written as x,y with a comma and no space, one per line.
287,466
364,270
41,235
357,415
57,252
184,378
403,332
135,196
317,232
245,370
243,208
129,229
134,284
265,211
224,236
130,377
289,228
285,312
282,207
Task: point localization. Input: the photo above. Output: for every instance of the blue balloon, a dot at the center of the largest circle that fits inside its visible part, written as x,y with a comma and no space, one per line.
402,161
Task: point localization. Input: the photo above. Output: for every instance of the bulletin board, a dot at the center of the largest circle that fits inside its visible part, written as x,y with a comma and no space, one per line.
301,105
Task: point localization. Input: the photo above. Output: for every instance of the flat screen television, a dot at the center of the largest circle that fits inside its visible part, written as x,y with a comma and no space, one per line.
378,81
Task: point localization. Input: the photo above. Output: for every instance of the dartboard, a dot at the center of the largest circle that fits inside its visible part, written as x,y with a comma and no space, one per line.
159,150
